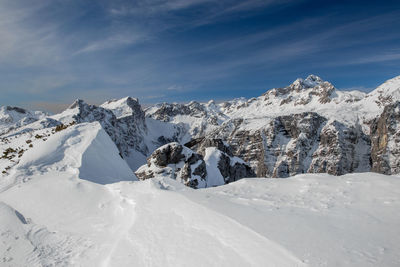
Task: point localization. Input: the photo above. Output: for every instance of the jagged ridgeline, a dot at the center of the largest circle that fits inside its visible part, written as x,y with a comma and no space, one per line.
306,127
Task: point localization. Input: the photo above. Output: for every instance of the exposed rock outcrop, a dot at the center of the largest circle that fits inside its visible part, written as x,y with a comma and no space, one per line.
177,162
385,139
341,150
166,110
200,145
231,168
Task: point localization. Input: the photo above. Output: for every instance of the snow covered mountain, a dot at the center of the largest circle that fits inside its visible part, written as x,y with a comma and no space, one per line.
306,127
15,117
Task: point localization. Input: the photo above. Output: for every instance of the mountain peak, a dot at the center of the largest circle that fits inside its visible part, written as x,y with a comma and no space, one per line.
314,78
77,103
123,107
310,82
16,109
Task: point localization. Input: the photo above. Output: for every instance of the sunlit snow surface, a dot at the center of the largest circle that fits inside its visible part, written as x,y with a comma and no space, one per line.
319,220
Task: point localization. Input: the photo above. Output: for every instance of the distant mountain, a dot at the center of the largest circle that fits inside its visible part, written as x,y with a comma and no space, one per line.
306,127
15,117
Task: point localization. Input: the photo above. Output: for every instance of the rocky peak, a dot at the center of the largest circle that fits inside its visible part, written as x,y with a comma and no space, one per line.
302,92
310,82
166,111
129,112
78,103
127,106
89,113
16,109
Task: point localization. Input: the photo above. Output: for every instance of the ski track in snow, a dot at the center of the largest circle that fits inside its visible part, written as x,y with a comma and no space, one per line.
127,205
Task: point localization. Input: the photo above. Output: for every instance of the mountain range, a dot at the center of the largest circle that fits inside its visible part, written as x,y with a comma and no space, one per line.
306,127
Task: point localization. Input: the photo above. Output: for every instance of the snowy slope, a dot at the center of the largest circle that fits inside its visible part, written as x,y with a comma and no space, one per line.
313,220
128,223
211,158
351,220
383,95
84,150
15,117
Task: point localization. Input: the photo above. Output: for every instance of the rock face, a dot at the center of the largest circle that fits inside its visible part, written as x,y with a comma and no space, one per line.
211,168
280,148
177,162
385,138
200,144
341,150
230,167
127,131
166,110
301,143
233,168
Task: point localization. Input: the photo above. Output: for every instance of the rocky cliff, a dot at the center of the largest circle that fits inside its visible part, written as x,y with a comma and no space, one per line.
385,137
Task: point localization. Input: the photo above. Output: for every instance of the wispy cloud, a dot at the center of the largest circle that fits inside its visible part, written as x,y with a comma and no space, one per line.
211,11
112,42
148,7
383,57
21,43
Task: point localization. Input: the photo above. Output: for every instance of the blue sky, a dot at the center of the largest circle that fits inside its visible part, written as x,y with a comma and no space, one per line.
54,51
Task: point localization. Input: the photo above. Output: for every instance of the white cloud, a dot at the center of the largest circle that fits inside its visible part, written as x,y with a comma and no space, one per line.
114,41
148,7
384,57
